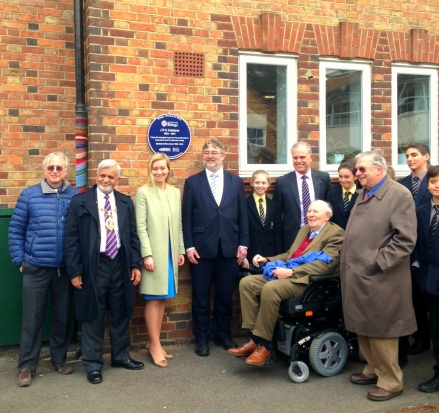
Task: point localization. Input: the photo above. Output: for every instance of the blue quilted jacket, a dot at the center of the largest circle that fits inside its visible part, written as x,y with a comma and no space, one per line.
36,231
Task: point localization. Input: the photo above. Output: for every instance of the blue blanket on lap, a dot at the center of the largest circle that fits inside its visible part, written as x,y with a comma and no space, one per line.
294,262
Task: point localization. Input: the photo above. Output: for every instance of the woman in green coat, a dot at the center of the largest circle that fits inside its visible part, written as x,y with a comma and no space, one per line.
158,216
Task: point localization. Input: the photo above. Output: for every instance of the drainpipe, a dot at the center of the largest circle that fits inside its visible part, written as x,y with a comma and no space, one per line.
81,124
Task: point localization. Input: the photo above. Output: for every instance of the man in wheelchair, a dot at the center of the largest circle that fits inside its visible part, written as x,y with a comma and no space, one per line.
316,248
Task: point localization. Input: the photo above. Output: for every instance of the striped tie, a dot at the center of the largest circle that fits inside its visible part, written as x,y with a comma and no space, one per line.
433,224
111,242
213,184
261,211
415,186
306,199
346,201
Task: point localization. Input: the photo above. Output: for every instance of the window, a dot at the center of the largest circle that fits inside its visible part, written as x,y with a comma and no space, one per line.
267,113
344,112
414,112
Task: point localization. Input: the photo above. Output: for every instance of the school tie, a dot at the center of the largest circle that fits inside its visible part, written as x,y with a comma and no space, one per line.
415,186
261,211
306,199
346,201
111,242
213,184
433,224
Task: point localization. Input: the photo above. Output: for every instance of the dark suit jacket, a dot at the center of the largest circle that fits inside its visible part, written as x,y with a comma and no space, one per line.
82,244
423,196
286,195
265,239
427,277
205,223
339,215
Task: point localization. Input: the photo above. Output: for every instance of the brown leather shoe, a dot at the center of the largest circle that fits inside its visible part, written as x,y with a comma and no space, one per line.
259,356
61,368
380,395
360,378
24,378
244,350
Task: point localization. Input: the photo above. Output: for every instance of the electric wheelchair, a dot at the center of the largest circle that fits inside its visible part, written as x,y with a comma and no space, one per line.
310,330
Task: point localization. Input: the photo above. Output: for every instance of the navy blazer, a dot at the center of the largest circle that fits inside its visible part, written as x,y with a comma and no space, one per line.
286,195
339,215
205,223
266,239
427,277
423,196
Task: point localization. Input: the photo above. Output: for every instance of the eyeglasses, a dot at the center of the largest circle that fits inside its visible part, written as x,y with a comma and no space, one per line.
362,169
214,153
52,168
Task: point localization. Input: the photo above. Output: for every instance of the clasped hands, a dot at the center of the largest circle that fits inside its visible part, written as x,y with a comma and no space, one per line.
279,273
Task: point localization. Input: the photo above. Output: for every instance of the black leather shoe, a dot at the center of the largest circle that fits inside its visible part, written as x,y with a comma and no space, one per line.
94,377
202,349
403,362
418,347
430,386
130,364
226,344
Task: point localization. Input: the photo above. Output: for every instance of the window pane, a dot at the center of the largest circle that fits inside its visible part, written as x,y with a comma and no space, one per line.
266,114
343,114
413,112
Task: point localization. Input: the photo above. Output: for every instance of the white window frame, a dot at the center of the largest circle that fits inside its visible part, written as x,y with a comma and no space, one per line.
360,66
290,62
403,170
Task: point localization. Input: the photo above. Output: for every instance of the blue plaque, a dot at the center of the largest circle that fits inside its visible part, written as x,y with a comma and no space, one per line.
169,134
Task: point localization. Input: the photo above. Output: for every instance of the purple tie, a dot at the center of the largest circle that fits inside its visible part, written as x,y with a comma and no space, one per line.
111,243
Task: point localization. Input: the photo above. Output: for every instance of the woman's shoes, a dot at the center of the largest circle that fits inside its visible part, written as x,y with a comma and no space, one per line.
161,363
165,353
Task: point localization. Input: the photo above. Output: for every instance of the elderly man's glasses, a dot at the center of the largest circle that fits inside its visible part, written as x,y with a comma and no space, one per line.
52,168
361,169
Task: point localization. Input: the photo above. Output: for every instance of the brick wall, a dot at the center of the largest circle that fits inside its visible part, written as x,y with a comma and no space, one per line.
129,63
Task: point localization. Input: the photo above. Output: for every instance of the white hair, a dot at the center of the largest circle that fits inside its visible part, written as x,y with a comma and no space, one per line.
324,205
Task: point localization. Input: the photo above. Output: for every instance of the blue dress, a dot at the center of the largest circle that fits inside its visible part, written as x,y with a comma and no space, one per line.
171,284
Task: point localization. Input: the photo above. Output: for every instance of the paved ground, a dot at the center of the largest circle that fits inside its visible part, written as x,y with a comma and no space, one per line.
220,383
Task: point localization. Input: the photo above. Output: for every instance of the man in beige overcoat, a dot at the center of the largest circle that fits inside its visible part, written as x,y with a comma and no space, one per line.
375,274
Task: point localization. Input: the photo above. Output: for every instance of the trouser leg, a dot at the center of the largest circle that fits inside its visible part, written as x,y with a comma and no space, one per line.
273,292
421,313
382,361
62,292
250,289
36,284
225,278
433,309
202,275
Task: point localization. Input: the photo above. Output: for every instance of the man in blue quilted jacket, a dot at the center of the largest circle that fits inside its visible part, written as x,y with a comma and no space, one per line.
36,245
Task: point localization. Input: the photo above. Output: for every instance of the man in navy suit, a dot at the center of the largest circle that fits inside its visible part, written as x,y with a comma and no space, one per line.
426,259
417,157
288,192
216,237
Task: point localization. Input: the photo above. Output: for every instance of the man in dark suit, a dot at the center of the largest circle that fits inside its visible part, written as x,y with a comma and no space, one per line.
426,267
103,262
215,231
417,157
295,191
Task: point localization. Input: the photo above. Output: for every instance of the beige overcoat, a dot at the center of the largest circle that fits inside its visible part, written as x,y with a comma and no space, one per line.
158,216
375,263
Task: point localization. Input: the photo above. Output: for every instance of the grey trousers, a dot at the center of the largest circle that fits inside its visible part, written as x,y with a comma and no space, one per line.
37,282
260,302
111,299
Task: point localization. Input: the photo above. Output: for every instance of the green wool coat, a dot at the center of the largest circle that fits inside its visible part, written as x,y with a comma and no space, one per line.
158,216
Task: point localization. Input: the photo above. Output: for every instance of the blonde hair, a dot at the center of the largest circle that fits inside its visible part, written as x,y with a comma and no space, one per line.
154,158
260,171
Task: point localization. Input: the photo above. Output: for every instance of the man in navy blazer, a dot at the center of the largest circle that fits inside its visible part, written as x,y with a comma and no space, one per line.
288,192
417,157
216,238
426,258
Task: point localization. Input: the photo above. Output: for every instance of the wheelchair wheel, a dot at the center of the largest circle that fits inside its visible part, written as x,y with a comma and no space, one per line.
328,354
298,372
